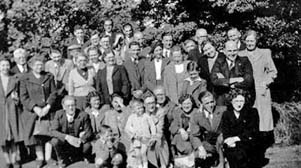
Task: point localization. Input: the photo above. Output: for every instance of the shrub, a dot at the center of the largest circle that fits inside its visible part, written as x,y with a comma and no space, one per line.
287,130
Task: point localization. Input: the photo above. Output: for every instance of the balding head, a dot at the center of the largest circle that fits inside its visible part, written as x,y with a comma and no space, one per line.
20,56
201,35
234,34
231,50
139,37
160,94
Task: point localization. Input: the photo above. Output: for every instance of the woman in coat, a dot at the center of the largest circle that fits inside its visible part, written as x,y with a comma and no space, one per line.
11,124
155,67
176,72
264,73
38,95
158,153
112,79
240,130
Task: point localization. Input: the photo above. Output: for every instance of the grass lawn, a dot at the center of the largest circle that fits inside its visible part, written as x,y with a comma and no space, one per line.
280,157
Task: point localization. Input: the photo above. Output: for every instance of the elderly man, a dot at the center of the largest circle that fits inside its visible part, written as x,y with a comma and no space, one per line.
20,58
167,41
234,35
207,130
201,36
71,130
134,65
139,37
232,71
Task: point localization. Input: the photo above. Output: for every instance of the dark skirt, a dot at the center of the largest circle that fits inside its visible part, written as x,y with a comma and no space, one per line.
81,102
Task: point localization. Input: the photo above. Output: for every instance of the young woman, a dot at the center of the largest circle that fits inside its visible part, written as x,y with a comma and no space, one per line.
240,129
11,125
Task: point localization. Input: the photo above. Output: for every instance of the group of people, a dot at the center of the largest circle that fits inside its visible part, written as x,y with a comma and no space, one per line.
116,102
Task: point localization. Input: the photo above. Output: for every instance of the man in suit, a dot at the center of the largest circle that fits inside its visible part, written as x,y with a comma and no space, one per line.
208,130
167,41
79,36
71,130
207,61
232,71
59,67
235,35
20,58
108,27
201,35
144,50
134,65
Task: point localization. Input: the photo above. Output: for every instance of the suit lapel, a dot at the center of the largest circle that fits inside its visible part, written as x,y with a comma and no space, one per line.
64,122
206,122
1,88
216,119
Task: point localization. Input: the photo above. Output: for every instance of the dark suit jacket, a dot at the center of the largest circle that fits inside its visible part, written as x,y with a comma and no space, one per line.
150,73
246,127
135,73
81,124
195,54
242,46
15,70
205,72
202,128
120,80
242,68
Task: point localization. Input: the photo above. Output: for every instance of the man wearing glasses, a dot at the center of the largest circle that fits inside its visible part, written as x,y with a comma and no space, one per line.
201,36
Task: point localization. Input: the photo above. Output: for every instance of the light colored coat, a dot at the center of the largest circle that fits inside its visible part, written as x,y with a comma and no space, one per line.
78,86
264,73
173,83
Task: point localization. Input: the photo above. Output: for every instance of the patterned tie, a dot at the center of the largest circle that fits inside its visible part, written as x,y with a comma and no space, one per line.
231,65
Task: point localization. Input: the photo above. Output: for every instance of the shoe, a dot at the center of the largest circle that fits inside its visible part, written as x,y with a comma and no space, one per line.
8,165
40,163
17,165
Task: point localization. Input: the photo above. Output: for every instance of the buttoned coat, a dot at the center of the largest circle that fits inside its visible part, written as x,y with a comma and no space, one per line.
97,122
120,82
81,124
173,83
264,73
150,81
10,113
135,73
242,68
36,92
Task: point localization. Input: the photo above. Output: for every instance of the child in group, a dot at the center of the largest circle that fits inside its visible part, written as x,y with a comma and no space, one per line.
194,84
140,128
106,151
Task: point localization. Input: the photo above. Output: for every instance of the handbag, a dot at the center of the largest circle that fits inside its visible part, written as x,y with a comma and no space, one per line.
41,127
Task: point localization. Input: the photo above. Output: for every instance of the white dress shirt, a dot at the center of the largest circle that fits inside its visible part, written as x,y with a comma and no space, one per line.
158,66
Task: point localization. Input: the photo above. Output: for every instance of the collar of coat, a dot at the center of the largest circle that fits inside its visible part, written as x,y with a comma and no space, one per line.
32,79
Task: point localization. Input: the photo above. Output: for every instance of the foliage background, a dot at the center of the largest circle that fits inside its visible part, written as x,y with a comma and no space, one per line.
36,24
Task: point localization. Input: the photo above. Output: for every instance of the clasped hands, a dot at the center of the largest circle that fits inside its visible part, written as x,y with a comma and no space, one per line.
41,112
231,141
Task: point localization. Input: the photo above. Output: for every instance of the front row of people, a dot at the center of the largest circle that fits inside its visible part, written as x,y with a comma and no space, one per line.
137,136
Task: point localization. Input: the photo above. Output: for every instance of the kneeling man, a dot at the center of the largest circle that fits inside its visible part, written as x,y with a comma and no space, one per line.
72,132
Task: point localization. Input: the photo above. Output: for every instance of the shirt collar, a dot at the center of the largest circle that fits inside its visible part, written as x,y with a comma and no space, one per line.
196,80
70,118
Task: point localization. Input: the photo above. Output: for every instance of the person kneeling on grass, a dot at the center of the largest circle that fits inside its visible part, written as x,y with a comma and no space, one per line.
72,133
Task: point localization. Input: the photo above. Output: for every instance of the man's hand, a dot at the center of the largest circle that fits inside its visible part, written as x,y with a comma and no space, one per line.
202,152
236,80
220,75
73,141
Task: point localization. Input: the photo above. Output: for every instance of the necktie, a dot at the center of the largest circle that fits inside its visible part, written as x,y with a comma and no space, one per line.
231,65
166,54
24,68
210,117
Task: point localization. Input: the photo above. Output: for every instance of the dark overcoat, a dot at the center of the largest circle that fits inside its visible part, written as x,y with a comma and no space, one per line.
10,113
36,92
